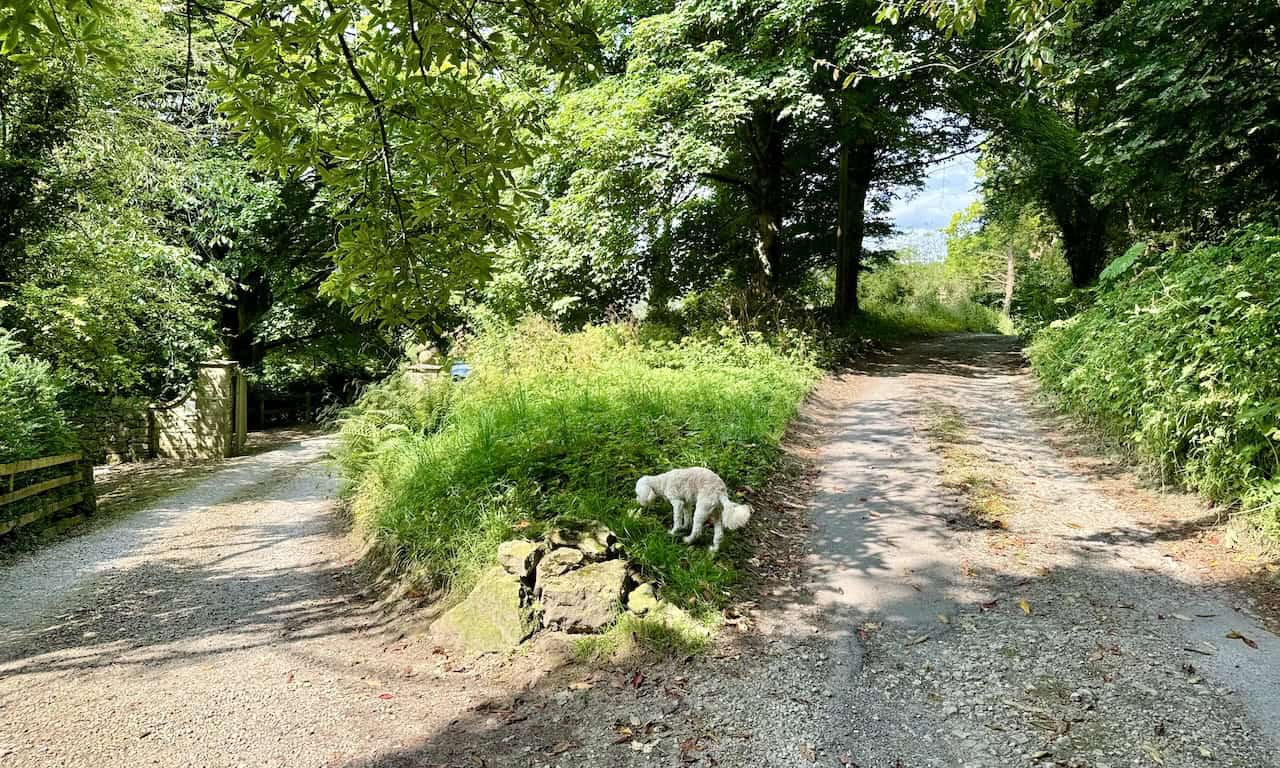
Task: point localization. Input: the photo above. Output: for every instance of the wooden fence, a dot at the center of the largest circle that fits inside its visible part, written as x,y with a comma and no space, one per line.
12,490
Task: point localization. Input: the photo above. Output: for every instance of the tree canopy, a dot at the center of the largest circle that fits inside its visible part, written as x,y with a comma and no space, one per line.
294,184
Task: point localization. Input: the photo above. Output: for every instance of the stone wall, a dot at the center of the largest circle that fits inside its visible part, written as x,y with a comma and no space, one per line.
112,430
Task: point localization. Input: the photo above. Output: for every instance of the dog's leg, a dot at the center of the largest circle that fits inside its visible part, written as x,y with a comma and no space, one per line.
677,516
700,515
719,534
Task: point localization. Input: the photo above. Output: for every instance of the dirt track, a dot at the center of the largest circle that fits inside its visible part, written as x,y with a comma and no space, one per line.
221,627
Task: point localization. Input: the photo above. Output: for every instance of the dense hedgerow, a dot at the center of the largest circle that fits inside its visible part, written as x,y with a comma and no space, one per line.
1180,354
557,427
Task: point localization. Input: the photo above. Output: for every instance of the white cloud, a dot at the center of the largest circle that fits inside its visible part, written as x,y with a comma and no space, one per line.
949,188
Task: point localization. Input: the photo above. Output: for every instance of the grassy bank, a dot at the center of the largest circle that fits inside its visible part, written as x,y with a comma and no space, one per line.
1179,356
558,426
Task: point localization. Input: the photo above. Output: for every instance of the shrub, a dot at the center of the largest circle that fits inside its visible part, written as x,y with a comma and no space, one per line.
558,426
919,299
31,423
1180,355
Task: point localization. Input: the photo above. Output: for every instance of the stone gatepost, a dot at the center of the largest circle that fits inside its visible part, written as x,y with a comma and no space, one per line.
423,366
209,421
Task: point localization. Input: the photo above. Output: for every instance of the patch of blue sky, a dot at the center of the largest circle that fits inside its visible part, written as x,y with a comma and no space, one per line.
920,216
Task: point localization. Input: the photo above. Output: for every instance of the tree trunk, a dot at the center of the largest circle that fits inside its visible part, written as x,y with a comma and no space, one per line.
768,245
765,141
856,166
1009,274
1084,241
250,300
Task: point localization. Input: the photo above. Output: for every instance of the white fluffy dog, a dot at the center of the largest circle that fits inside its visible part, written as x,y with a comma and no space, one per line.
704,491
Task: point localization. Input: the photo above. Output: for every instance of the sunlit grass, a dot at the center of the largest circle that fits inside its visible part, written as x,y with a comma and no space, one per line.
556,426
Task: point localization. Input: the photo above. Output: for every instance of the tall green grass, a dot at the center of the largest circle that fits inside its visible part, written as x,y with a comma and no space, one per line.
557,427
1179,355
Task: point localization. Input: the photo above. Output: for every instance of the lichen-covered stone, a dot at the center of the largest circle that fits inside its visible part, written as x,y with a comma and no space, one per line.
520,557
642,600
562,537
592,548
597,542
586,599
491,619
558,561
604,536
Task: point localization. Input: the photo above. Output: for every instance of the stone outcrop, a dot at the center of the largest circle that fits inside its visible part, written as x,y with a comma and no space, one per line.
558,562
520,557
494,617
576,580
587,599
643,599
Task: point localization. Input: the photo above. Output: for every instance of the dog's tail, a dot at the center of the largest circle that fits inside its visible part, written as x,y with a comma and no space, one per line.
732,514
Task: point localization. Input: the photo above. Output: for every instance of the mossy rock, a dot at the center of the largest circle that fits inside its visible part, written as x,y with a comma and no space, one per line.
520,557
642,600
492,618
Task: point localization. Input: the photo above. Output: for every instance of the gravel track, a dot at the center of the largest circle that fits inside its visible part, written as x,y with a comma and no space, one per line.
217,628
223,627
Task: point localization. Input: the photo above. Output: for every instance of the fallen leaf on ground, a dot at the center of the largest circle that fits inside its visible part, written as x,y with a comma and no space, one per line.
807,753
637,680
1234,635
691,744
1025,606
1153,753
559,748
386,696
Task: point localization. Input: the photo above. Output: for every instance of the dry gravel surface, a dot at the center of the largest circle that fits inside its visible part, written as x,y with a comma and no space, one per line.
224,627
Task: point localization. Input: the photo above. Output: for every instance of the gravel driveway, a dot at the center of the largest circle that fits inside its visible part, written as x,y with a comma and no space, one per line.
217,628
222,627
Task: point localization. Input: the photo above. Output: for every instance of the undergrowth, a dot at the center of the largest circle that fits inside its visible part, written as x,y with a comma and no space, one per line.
1179,356
557,426
919,299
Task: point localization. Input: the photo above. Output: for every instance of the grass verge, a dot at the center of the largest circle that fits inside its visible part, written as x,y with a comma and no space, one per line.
557,427
1179,358
671,633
